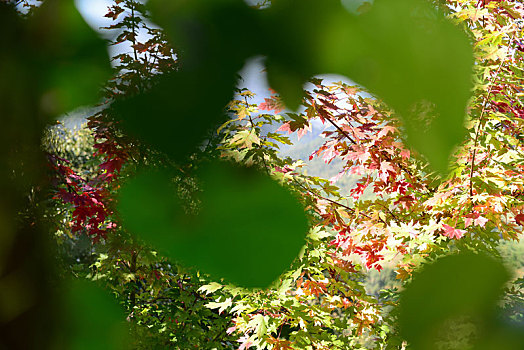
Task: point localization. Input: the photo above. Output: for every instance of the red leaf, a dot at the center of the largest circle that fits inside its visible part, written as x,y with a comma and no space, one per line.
67,197
114,12
112,165
452,232
303,131
271,104
140,47
386,130
475,219
404,154
520,219
360,154
285,127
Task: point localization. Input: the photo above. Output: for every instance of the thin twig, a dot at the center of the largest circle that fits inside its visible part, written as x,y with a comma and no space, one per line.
341,131
335,202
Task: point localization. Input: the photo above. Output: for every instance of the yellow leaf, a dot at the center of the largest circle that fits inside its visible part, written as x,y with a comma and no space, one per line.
242,113
344,213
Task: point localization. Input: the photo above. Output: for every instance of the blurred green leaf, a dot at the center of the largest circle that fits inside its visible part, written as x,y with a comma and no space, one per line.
91,319
212,48
404,51
457,292
74,56
248,229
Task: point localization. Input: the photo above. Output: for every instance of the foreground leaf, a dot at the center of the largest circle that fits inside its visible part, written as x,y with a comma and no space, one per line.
457,291
248,229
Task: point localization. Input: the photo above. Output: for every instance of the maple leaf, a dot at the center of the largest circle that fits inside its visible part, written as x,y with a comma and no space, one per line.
286,169
272,104
452,232
242,113
304,130
359,190
329,154
386,166
520,219
350,90
141,47
297,123
406,201
404,154
231,329
279,344
246,343
285,127
67,197
360,154
385,170
404,271
481,221
114,12
437,199
386,130
315,288
245,139
475,219
112,165
105,147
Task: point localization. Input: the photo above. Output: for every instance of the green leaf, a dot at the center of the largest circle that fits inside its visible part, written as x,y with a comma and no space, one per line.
210,288
74,56
91,319
221,306
245,139
231,237
461,287
318,233
403,51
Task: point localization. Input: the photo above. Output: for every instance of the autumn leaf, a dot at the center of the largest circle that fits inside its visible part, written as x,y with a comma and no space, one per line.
272,104
286,127
520,219
245,139
386,130
280,344
475,219
452,232
314,288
